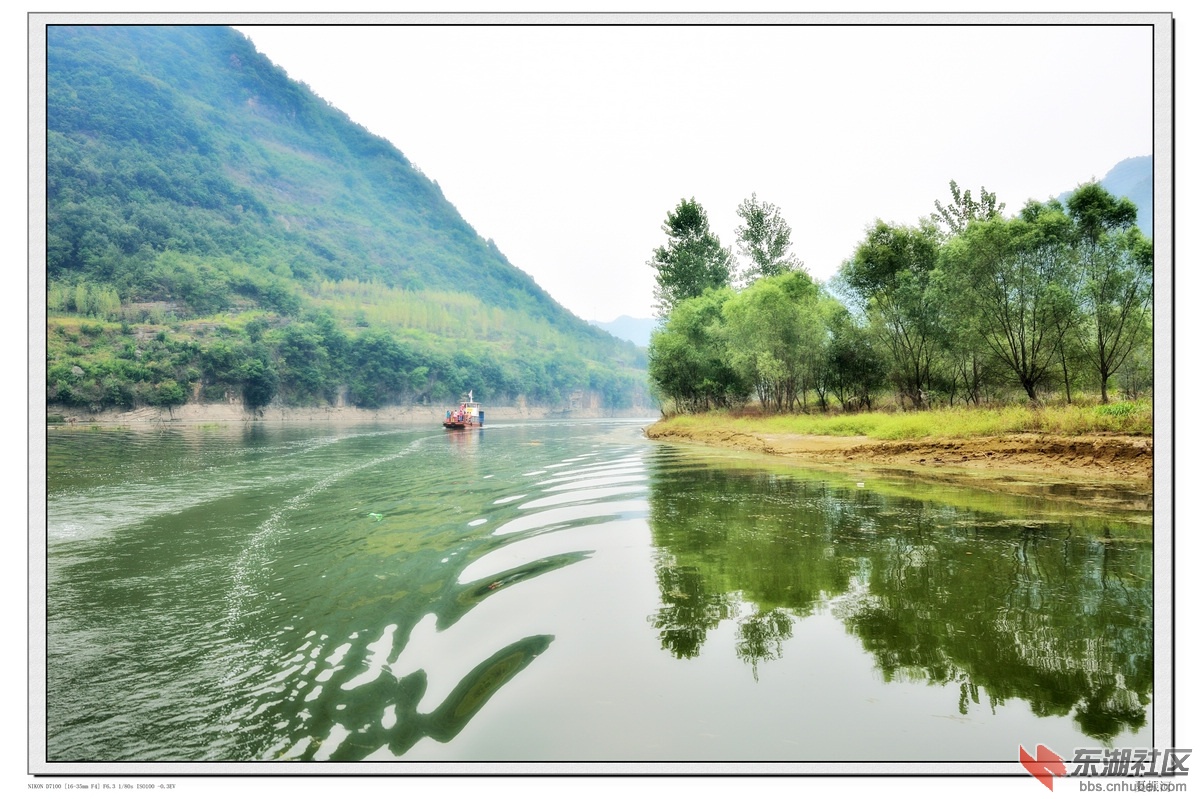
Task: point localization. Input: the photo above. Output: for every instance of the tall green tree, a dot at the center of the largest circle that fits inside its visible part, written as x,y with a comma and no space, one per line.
765,238
891,275
854,368
1015,275
691,261
965,366
1116,278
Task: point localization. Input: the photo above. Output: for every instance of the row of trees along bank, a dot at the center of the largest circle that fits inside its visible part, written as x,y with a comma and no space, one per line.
966,306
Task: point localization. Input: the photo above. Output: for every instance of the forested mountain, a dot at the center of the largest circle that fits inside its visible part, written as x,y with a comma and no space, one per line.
215,229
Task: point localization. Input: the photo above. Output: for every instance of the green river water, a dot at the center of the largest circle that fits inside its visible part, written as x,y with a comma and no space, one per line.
569,592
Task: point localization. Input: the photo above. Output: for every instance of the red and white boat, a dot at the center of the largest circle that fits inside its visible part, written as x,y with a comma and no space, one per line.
468,414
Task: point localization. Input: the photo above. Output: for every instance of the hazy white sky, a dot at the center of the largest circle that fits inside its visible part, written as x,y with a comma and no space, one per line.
568,145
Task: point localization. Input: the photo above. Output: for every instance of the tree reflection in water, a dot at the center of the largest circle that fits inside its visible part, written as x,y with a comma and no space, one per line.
1018,599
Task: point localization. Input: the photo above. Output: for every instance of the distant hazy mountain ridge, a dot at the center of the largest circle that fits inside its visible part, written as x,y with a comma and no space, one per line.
630,329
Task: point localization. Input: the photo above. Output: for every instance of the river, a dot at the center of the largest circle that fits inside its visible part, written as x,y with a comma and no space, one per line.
569,591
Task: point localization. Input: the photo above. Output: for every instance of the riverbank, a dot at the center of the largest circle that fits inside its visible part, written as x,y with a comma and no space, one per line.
202,413
1115,457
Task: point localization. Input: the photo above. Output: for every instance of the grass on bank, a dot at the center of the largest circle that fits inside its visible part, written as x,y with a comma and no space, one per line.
1129,418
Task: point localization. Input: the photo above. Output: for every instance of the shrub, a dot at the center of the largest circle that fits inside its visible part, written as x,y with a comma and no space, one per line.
1118,410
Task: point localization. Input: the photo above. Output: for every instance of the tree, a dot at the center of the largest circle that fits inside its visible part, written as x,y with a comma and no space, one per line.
379,367
303,364
691,261
689,359
1116,264
963,210
1096,212
964,361
776,338
765,239
891,274
853,368
1015,275
259,380
168,394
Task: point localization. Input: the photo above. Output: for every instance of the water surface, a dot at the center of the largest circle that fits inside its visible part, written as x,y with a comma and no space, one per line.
570,592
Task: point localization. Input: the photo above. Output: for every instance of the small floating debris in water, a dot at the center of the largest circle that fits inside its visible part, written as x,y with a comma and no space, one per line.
376,516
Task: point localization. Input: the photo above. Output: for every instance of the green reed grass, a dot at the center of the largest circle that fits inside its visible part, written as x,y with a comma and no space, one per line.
1133,418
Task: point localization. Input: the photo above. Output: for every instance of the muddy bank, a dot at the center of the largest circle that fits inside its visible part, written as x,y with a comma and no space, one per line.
1128,460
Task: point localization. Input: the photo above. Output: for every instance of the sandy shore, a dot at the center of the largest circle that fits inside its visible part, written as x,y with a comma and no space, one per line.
1117,458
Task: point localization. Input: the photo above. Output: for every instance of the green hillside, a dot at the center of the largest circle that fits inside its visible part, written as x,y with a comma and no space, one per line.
217,231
